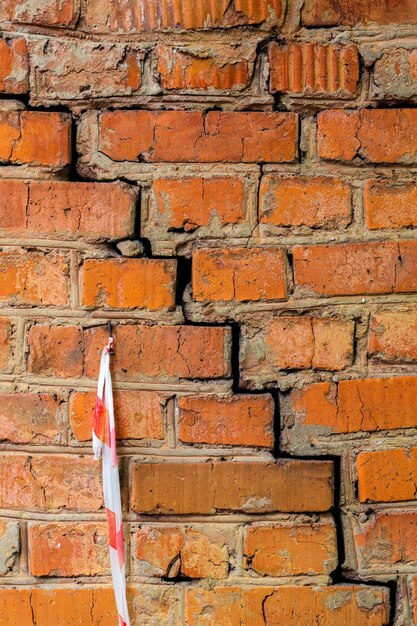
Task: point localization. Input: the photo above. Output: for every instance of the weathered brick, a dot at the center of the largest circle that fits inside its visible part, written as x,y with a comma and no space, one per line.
68,549
280,549
257,487
239,274
221,68
6,344
76,70
242,420
128,283
190,136
353,13
314,68
34,279
313,201
14,66
395,74
149,15
30,418
9,546
355,268
140,414
194,551
49,482
386,539
390,204
387,475
392,336
374,136
42,12
55,350
162,352
293,606
295,342
352,406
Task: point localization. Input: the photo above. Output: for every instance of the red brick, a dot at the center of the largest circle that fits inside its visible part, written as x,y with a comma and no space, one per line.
128,284
239,274
395,74
49,482
6,344
190,136
292,606
170,551
390,204
68,549
35,137
30,418
387,475
392,336
42,12
155,15
353,13
243,420
251,487
294,342
376,136
140,414
34,279
351,406
162,352
14,66
356,268
314,68
221,68
55,350
280,549
77,70
386,539
313,201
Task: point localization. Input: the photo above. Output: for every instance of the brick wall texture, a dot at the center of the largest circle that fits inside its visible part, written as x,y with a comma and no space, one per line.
231,183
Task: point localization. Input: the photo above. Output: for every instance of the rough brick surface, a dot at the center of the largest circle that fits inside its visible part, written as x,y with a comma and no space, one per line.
31,418
350,13
387,475
14,66
391,336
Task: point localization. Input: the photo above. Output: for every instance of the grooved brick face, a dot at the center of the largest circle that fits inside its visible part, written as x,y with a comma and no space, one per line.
223,274
14,66
387,475
182,136
352,13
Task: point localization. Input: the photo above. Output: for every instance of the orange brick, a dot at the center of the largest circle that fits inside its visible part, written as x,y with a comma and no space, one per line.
162,352
239,274
280,549
55,350
13,202
14,66
314,201
387,475
390,204
376,136
353,13
6,344
170,551
253,487
189,136
46,13
394,74
34,279
49,482
223,68
155,15
356,268
68,549
140,414
128,283
392,336
30,418
35,138
294,342
236,420
313,68
386,539
351,406
292,606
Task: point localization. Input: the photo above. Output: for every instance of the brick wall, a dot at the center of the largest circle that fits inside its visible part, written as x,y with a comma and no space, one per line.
232,185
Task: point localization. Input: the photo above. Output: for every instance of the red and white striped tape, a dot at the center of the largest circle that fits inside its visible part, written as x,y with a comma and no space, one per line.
104,444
